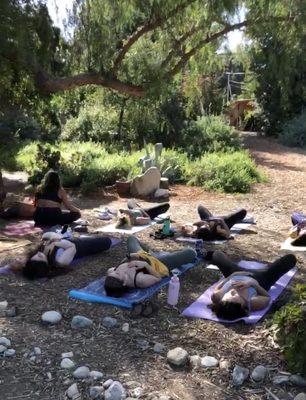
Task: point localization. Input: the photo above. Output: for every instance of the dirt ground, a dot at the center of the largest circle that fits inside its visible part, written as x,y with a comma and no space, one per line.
117,354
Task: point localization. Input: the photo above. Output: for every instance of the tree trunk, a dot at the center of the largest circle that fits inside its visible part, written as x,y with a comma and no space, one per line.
2,192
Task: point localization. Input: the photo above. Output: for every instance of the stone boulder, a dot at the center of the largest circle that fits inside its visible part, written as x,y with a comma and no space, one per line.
146,184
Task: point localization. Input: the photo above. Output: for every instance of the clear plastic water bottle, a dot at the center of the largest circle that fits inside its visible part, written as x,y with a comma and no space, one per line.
173,290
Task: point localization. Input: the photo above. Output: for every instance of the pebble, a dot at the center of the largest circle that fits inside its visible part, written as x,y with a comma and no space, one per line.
66,363
225,364
177,356
209,362
3,305
115,392
96,375
281,379
78,322
297,380
37,351
33,358
67,355
2,348
259,373
51,317
73,391
107,383
137,392
109,322
125,327
300,396
10,312
96,392
49,376
195,361
5,342
9,353
143,344
239,375
159,348
81,373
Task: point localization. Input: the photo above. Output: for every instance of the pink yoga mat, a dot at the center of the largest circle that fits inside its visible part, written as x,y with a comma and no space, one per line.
200,308
20,228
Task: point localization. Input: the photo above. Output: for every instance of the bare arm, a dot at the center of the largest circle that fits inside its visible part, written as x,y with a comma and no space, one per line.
259,302
222,229
67,202
69,252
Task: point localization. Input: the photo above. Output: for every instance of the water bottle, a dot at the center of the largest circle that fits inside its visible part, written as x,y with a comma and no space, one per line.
166,226
199,247
173,290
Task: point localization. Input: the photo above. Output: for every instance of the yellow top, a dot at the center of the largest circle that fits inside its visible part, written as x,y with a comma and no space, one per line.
157,265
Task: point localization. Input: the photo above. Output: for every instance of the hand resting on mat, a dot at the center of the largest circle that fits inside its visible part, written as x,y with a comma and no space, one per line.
241,291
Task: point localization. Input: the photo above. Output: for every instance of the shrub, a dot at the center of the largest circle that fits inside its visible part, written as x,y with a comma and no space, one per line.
293,132
290,321
209,134
227,172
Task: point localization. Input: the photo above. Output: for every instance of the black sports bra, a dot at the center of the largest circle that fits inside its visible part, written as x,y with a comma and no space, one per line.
144,270
48,196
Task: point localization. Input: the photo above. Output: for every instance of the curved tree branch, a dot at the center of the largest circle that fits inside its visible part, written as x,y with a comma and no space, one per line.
142,30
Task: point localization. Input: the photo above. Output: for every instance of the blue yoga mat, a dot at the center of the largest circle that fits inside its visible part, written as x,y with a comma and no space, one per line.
297,217
95,293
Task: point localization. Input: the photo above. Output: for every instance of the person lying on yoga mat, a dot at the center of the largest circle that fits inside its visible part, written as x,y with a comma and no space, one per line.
213,228
48,201
55,254
136,215
141,269
243,291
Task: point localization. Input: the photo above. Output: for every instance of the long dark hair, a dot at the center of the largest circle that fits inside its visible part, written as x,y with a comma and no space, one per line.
230,310
51,182
114,287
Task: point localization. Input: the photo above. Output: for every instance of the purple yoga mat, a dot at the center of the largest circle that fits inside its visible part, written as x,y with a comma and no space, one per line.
200,308
20,228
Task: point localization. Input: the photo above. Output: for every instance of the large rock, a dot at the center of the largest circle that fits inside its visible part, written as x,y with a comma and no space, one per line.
73,392
51,317
177,356
78,321
300,396
109,322
297,380
240,374
115,392
208,362
259,373
81,373
146,184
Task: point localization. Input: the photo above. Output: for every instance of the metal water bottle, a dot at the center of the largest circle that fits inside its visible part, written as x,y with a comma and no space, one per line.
166,226
173,290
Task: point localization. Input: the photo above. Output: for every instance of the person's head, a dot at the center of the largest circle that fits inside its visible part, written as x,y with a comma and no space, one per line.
232,306
187,230
51,182
36,267
114,286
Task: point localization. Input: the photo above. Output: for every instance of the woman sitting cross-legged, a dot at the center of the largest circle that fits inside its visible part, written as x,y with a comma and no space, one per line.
213,228
243,291
48,201
55,254
142,269
136,215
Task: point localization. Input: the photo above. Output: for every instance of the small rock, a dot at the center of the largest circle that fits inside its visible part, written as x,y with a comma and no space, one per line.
297,380
137,392
259,373
78,322
109,322
280,379
195,361
67,355
73,391
2,348
143,344
125,327
49,376
3,305
9,353
66,363
81,373
96,375
51,317
174,336
33,358
115,392
209,362
177,356
239,375
225,364
96,392
37,351
131,384
300,396
5,342
107,383
159,348
10,312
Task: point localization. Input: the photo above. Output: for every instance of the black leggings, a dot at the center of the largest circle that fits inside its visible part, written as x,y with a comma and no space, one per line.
152,211
49,216
230,219
265,276
90,245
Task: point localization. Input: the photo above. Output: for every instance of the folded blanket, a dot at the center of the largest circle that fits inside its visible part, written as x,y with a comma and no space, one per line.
20,228
94,292
201,307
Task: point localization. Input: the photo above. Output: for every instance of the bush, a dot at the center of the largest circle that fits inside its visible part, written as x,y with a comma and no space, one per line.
209,134
226,172
290,321
293,132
